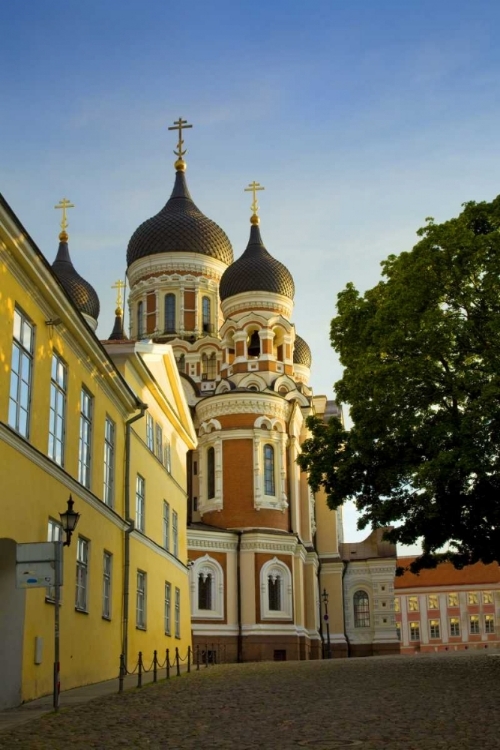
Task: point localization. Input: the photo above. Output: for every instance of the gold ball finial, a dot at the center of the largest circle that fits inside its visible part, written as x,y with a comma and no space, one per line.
63,236
254,219
180,165
118,312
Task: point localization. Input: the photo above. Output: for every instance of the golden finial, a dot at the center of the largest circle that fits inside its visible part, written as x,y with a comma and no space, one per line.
253,188
180,125
64,204
118,285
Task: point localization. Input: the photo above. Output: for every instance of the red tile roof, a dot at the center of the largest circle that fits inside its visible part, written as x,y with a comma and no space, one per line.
446,575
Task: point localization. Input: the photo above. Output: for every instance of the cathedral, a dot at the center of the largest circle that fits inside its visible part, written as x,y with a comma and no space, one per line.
265,555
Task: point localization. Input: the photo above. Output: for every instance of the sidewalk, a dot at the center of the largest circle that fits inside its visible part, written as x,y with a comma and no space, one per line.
13,717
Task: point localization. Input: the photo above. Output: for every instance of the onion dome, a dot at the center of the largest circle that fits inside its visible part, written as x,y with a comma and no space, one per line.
180,227
118,334
256,271
301,352
81,293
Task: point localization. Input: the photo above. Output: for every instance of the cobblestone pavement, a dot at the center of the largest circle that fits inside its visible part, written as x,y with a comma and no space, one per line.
432,702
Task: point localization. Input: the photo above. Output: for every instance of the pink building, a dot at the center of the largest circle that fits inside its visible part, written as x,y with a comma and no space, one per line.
446,609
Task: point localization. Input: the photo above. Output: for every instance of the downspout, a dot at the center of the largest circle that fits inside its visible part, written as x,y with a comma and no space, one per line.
344,571
239,648
128,531
318,574
189,471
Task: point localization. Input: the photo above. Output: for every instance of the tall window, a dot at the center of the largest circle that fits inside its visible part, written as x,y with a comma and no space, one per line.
205,314
106,585
474,624
140,502
274,587
57,417
210,473
397,605
140,320
140,602
167,455
175,533
361,610
150,436
177,613
166,525
269,488
159,442
434,629
85,438
168,607
109,462
414,631
209,366
82,574
489,623
54,534
21,374
170,313
205,589
454,626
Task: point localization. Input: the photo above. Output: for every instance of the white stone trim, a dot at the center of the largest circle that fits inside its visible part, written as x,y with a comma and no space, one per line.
206,504
250,403
206,565
276,569
174,264
275,303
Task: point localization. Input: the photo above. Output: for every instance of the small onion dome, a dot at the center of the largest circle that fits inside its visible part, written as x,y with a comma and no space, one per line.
301,352
180,227
256,271
81,293
118,334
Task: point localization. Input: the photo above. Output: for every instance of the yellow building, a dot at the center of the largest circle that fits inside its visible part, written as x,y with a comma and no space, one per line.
110,426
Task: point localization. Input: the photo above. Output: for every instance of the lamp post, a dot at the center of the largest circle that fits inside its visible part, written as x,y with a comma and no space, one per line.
69,520
326,619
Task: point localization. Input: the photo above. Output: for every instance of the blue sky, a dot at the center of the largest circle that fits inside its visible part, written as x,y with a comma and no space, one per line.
360,119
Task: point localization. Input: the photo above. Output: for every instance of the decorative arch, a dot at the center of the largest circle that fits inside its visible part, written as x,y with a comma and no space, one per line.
208,427
361,608
276,600
268,423
253,379
207,589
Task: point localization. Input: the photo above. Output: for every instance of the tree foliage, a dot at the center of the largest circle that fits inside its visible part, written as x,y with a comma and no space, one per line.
421,358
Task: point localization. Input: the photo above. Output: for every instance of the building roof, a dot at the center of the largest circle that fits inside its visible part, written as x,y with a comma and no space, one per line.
82,294
256,271
301,352
447,575
374,546
179,227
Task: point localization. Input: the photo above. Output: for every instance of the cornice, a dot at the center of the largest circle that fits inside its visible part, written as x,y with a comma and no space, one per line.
231,403
175,263
254,301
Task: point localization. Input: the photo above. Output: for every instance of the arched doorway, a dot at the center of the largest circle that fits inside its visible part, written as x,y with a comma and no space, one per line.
12,602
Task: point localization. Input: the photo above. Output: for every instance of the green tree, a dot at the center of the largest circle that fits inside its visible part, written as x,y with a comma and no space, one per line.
421,358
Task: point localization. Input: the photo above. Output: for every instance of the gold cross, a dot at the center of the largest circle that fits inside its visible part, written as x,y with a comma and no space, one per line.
64,204
253,188
180,125
119,285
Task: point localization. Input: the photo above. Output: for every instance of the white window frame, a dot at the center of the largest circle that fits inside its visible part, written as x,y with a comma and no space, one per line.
453,600
19,377
175,533
150,432
108,495
411,600
141,600
431,598
166,525
454,621
206,565
85,440
168,608
177,612
473,597
434,623
82,575
107,572
167,455
159,442
273,568
415,629
57,413
474,619
140,503
487,597
489,618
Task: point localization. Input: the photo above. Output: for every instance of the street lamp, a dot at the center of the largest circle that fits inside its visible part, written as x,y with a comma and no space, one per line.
326,619
69,520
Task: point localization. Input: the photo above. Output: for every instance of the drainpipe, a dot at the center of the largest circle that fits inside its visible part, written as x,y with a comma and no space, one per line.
239,652
128,531
318,574
344,571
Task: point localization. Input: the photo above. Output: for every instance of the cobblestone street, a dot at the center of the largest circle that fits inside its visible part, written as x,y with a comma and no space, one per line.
443,702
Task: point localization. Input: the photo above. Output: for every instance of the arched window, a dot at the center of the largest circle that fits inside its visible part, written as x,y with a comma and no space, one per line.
140,322
205,315
269,488
170,313
210,473
205,590
208,366
361,610
274,589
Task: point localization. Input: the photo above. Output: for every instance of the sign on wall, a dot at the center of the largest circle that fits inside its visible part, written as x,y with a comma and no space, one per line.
36,565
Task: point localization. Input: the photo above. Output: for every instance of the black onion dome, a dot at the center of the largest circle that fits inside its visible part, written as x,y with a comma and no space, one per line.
118,334
180,227
81,293
301,352
256,271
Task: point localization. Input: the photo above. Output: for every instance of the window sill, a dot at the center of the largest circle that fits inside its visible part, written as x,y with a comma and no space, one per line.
167,632
141,627
82,611
49,600
107,618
